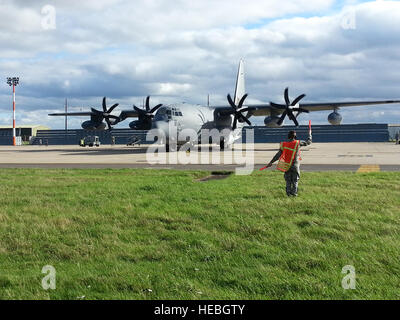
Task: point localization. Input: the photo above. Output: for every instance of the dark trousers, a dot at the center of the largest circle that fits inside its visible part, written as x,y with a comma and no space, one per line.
292,177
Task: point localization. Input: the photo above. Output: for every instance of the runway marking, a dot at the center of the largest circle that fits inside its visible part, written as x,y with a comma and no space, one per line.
369,168
355,155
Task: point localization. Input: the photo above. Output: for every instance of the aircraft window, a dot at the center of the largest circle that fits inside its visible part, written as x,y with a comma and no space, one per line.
180,114
169,112
162,111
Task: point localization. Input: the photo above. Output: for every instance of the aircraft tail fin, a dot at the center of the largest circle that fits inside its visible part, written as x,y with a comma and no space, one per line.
240,84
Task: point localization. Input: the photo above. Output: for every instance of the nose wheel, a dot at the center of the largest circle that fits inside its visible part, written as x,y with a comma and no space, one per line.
222,143
170,148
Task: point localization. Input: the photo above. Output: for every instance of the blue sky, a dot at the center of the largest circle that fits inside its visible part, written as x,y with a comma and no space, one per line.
184,50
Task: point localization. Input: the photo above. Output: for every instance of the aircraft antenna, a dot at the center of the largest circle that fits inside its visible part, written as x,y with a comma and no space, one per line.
66,117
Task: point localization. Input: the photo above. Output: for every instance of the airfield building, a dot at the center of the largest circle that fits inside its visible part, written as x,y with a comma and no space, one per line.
26,132
262,134
37,134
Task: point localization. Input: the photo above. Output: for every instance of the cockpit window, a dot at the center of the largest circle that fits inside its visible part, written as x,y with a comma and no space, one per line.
176,112
167,113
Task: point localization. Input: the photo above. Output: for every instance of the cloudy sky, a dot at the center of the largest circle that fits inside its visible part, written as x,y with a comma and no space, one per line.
182,50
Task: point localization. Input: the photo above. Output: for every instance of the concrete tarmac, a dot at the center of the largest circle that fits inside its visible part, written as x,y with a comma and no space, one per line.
363,157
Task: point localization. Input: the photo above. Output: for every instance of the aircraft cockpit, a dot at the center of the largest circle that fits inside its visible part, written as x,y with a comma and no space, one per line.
167,113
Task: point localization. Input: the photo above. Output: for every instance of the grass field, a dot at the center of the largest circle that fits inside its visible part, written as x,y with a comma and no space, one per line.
160,234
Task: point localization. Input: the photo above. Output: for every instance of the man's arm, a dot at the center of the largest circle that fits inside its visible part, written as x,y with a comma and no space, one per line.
275,158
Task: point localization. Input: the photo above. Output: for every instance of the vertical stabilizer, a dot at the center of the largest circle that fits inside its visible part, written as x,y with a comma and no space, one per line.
240,85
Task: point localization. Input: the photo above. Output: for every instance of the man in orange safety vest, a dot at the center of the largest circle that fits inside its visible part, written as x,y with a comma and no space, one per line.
289,157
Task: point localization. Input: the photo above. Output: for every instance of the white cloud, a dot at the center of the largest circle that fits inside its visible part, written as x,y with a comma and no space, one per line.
173,88
183,50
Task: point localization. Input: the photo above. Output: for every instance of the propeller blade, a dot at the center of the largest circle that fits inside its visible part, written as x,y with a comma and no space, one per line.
155,108
112,108
231,101
297,99
287,97
96,111
280,121
140,111
290,114
238,110
242,100
108,123
147,103
146,115
295,122
244,110
234,123
245,119
104,105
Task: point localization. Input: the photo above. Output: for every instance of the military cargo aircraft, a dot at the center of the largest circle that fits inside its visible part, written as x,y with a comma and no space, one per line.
229,118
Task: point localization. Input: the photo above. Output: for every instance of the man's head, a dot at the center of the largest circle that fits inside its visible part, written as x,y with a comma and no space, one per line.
292,135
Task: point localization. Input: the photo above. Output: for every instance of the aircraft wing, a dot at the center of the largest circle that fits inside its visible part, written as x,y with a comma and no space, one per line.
268,109
128,114
123,115
72,114
333,105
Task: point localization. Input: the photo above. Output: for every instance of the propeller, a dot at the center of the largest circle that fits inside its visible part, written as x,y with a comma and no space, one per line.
289,108
147,114
106,113
237,111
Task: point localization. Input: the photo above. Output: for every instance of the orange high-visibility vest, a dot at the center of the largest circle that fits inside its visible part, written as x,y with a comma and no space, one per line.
289,150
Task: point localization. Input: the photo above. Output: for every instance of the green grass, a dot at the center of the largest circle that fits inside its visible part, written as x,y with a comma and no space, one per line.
115,234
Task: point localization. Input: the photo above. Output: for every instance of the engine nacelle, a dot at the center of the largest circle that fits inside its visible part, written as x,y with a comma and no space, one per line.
272,122
140,125
134,125
335,118
90,125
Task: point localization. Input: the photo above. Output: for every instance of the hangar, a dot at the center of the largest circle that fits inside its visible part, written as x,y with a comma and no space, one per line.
321,133
39,134
26,132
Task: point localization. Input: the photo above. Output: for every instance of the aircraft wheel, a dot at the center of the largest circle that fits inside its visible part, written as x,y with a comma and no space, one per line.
222,144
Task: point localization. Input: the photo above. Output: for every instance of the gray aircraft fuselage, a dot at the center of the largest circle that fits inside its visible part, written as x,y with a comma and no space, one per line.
190,116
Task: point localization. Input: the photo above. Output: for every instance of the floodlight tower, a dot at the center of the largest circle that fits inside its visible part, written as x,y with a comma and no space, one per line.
14,81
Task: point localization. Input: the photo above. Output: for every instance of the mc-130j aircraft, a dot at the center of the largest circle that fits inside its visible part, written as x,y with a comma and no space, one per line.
229,118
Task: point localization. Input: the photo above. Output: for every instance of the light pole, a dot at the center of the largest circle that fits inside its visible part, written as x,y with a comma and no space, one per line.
14,81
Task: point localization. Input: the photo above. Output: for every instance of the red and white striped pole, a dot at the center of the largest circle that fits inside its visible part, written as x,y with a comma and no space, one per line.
13,82
14,135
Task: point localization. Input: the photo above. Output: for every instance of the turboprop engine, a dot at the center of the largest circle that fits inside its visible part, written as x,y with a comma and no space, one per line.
272,122
335,118
93,125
